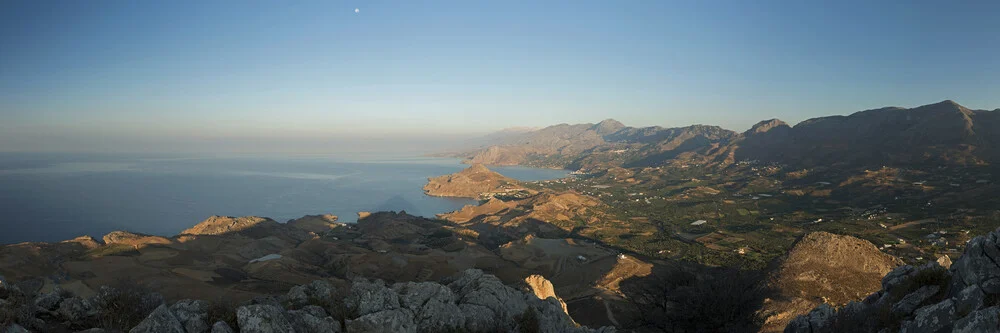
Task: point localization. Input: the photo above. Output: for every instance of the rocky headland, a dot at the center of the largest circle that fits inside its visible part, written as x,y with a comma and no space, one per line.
476,181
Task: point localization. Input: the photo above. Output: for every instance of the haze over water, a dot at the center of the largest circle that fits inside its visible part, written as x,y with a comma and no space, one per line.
53,197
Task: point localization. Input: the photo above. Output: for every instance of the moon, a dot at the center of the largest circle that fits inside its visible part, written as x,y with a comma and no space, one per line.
357,10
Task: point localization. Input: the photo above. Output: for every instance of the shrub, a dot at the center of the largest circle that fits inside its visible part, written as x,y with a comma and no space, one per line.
125,305
222,309
527,322
720,300
18,309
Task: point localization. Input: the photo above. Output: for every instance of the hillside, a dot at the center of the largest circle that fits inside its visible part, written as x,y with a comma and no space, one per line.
824,267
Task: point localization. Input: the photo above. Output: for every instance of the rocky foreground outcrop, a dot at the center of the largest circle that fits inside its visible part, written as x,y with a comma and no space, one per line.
928,298
470,183
471,301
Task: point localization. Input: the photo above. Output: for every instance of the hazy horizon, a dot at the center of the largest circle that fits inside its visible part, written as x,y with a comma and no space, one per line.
320,77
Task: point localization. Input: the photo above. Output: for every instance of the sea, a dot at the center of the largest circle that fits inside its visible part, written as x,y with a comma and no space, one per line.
52,197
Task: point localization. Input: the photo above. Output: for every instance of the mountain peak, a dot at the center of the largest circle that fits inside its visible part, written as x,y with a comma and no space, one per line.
476,168
766,125
608,126
946,104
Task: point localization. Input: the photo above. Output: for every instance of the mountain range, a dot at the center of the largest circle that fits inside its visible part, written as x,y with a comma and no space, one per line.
941,133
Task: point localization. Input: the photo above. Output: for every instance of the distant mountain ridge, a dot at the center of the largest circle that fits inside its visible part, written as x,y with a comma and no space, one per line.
940,133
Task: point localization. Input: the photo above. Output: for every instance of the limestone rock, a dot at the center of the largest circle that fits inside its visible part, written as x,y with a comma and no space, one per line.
15,328
433,305
49,301
543,289
983,320
94,330
476,288
369,297
931,318
911,301
306,322
300,295
397,320
261,318
192,314
221,327
76,309
978,264
816,320
315,311
160,321
944,261
969,299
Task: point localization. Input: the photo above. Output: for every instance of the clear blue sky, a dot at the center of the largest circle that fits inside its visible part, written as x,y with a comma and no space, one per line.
146,71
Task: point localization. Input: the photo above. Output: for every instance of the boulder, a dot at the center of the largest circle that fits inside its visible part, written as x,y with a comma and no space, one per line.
300,296
550,313
315,311
977,265
49,301
944,261
306,322
192,314
985,320
221,327
76,309
15,328
931,318
160,321
475,288
261,318
397,320
369,297
433,305
969,299
911,301
816,320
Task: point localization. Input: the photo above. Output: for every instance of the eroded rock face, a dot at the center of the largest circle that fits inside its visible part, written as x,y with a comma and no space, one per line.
543,289
928,298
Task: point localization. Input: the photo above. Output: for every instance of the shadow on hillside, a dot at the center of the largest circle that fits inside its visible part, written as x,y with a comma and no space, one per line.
695,298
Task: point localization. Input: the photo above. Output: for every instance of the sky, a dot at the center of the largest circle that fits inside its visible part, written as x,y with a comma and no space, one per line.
189,75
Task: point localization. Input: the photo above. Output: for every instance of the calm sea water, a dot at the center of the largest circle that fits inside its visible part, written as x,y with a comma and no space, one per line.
52,197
